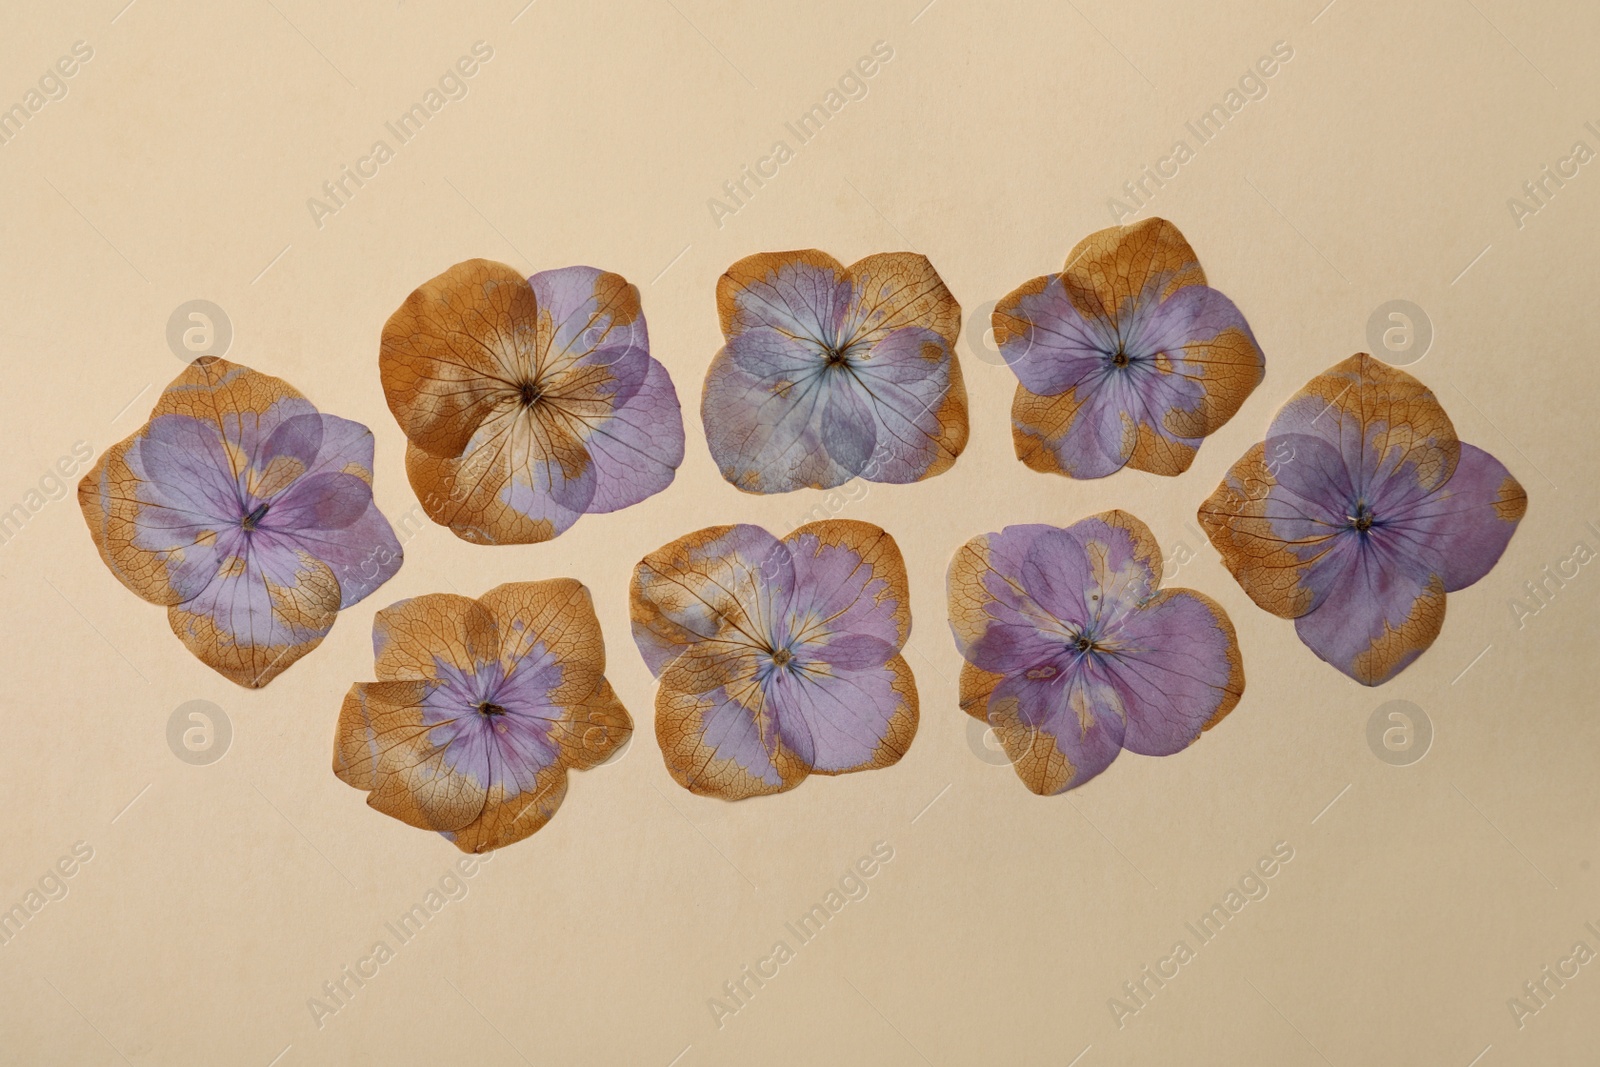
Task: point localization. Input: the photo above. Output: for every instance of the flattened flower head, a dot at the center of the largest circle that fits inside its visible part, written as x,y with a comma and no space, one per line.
776,659
1358,513
831,372
245,512
480,708
1074,654
1125,358
528,402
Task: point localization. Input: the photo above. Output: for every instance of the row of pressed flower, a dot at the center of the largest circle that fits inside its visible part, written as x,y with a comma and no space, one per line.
530,402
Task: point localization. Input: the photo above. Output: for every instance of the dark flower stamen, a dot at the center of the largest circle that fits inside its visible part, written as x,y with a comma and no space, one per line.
488,709
252,520
528,394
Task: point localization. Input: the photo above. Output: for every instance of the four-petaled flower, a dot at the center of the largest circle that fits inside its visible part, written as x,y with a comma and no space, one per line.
776,659
833,372
1073,654
528,402
244,511
1125,358
1378,512
480,708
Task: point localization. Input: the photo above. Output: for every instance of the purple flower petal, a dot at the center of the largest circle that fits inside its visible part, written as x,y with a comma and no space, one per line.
638,449
481,709
1072,654
1124,358
1061,730
830,373
1176,664
269,605
776,658
1469,521
244,511
528,403
856,719
1376,617
1358,513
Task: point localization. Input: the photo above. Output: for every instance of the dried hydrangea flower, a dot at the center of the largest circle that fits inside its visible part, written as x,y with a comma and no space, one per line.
528,402
247,513
833,372
776,659
480,708
1073,654
1358,513
1125,358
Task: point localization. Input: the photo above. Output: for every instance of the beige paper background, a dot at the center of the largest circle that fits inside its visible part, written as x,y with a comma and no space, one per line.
1377,167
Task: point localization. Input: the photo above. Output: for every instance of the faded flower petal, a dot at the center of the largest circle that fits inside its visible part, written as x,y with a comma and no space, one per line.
481,709
1125,358
528,402
831,372
244,511
1073,654
776,658
1359,513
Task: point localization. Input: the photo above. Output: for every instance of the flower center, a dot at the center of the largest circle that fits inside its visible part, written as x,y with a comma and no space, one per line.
834,357
528,394
782,657
489,710
1119,358
1362,520
252,520
1082,643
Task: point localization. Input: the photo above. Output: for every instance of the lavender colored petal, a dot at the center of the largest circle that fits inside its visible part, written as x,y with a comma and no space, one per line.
848,430
847,715
1463,528
1174,663
362,555
738,724
1124,564
1020,633
539,485
1102,434
1050,345
586,332
268,606
1376,613
1057,576
842,610
1384,423
766,433
186,467
638,449
905,392
1073,715
328,501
